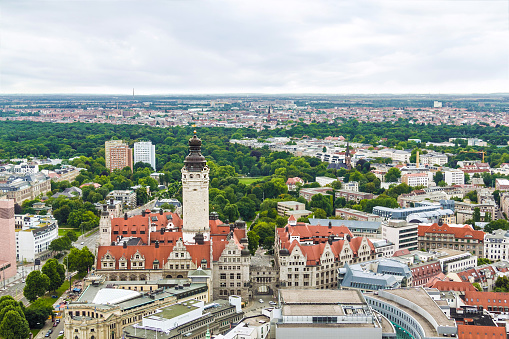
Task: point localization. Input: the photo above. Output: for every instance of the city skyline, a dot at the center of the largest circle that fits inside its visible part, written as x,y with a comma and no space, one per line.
254,47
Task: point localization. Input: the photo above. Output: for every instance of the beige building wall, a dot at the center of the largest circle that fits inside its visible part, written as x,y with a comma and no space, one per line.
7,240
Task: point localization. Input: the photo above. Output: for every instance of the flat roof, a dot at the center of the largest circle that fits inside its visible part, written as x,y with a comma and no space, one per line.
175,310
321,297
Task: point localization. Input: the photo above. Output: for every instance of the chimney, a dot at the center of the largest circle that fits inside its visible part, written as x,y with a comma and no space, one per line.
143,213
125,244
161,211
125,216
162,231
157,243
330,224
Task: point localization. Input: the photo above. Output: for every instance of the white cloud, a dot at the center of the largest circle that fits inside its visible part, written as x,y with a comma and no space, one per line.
362,46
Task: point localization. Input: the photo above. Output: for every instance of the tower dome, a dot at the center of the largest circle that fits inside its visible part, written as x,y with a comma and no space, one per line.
195,161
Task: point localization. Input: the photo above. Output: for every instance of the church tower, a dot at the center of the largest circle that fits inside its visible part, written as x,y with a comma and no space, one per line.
348,157
195,193
105,227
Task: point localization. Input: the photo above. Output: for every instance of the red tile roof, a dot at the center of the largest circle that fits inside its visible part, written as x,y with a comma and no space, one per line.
487,299
133,226
481,332
453,286
465,232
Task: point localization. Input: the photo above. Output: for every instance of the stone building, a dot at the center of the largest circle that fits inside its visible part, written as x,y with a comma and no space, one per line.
309,256
442,236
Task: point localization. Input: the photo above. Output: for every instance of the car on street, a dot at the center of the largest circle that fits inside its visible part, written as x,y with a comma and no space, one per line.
49,333
260,301
61,332
55,324
82,243
272,303
54,296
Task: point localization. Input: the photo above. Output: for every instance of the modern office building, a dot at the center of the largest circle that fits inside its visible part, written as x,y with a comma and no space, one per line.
117,155
145,152
402,234
34,236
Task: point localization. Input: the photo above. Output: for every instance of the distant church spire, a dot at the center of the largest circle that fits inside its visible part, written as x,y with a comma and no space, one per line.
348,157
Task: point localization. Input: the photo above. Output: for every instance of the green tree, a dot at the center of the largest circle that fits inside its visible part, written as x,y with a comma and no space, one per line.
60,244
36,285
14,326
80,260
477,286
439,176
141,196
55,273
476,216
320,213
72,236
393,174
254,240
231,212
37,313
496,225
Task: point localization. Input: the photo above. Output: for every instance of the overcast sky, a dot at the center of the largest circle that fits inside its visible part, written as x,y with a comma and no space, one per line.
243,46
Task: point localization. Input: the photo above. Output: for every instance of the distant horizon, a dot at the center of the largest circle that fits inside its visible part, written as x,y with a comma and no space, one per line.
259,94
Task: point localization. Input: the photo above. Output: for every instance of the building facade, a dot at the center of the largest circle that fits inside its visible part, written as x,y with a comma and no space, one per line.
442,236
145,152
118,155
8,239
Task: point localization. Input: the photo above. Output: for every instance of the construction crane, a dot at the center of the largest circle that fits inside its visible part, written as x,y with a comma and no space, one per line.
480,152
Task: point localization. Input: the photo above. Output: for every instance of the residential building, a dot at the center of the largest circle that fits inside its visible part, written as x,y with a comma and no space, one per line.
308,256
104,309
118,155
423,265
285,206
464,210
415,179
127,197
402,234
145,152
324,181
307,193
501,184
442,236
34,236
7,240
24,169
351,214
25,188
496,302
414,311
291,183
496,245
352,195
454,177
328,314
350,186
383,248
504,202
433,158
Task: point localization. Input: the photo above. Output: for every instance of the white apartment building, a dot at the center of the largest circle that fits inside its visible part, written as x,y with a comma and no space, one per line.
433,158
145,152
24,169
324,181
496,245
454,177
416,179
34,237
350,186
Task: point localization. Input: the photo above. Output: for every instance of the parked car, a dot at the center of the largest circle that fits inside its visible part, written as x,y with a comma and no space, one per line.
82,243
54,296
261,301
55,324
61,332
272,303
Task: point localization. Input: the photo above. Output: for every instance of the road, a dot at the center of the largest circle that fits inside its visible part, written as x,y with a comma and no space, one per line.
149,205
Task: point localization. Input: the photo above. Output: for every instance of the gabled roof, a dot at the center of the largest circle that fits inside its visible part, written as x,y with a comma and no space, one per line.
465,232
453,286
